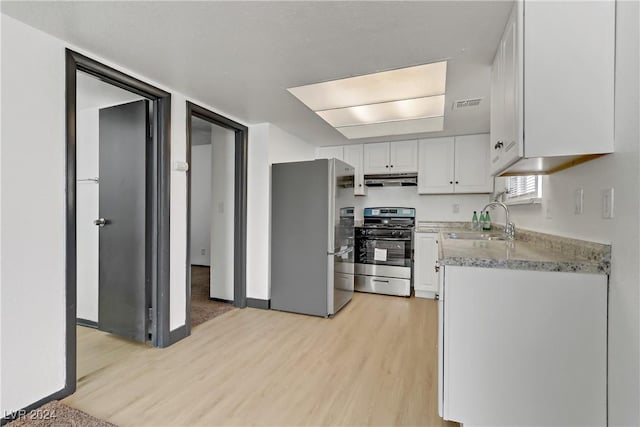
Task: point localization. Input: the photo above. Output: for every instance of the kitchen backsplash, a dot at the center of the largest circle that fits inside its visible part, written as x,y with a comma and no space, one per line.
437,207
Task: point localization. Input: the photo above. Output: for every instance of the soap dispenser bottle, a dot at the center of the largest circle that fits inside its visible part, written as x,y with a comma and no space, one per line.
475,224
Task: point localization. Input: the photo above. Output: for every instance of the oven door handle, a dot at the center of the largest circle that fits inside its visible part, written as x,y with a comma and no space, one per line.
391,239
342,252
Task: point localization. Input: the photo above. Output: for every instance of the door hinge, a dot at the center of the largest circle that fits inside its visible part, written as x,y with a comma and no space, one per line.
150,312
437,268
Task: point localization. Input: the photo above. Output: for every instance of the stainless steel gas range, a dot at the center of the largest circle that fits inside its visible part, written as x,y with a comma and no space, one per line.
384,251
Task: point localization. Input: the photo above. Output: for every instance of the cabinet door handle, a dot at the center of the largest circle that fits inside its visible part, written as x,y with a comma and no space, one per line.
450,182
498,145
457,182
391,165
386,166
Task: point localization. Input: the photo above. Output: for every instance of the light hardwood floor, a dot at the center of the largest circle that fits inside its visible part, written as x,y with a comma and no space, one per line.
375,363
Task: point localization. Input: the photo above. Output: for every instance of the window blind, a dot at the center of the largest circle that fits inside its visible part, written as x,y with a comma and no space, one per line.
523,186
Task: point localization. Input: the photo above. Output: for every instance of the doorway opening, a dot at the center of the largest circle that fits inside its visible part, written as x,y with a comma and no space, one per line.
216,214
117,249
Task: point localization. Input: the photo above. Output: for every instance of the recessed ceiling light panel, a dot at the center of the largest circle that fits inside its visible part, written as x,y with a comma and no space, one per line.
402,127
378,104
404,83
405,109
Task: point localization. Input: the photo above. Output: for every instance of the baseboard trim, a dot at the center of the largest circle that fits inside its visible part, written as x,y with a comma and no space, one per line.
425,294
58,395
228,301
178,334
87,323
264,304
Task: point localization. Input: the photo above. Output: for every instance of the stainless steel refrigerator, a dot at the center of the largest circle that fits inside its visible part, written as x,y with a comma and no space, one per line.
312,236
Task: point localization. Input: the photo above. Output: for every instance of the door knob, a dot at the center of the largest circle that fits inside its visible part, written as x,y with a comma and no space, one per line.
100,222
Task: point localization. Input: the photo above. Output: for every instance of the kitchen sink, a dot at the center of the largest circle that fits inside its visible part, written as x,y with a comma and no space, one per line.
474,236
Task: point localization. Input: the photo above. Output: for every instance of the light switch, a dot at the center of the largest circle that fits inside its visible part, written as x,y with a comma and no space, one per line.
607,203
579,201
180,166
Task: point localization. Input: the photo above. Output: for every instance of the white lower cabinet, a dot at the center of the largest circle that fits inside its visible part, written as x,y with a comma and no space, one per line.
425,277
522,347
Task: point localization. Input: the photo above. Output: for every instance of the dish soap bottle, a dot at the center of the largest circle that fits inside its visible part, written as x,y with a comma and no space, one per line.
474,221
486,225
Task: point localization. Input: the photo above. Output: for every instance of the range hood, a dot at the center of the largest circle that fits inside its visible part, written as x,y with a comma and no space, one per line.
391,180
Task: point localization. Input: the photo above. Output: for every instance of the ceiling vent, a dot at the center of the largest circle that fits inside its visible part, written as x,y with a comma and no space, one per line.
466,103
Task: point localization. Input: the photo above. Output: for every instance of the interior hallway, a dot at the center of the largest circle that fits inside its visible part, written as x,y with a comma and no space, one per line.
202,307
374,363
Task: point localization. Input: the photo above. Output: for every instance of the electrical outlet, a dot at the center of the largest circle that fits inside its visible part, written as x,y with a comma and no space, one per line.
607,203
456,208
579,201
203,251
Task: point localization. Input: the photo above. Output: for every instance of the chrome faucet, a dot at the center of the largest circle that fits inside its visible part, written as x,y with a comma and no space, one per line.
509,226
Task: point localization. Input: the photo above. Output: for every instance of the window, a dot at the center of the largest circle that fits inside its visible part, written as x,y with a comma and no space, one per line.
523,189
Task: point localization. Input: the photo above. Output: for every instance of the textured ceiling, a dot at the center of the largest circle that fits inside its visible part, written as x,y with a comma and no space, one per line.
240,57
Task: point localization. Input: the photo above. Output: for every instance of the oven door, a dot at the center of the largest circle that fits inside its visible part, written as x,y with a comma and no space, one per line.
391,251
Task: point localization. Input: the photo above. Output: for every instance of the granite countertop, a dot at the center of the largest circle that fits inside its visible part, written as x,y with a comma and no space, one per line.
440,227
530,251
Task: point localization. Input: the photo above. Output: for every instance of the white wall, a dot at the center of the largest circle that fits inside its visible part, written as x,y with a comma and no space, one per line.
33,216
222,213
258,213
621,171
87,194
33,163
267,142
200,168
284,147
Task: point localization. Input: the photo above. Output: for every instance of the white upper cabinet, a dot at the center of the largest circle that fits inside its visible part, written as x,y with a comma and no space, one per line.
376,158
552,86
353,155
336,152
403,156
391,157
436,165
454,165
472,164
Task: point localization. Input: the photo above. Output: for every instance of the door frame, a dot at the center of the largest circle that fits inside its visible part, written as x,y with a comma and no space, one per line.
158,176
240,204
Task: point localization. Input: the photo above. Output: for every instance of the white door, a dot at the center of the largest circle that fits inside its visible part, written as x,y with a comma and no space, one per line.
334,152
425,282
403,156
472,164
353,156
435,171
376,158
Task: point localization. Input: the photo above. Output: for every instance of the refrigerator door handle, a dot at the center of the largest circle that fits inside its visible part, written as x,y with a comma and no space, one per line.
341,252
